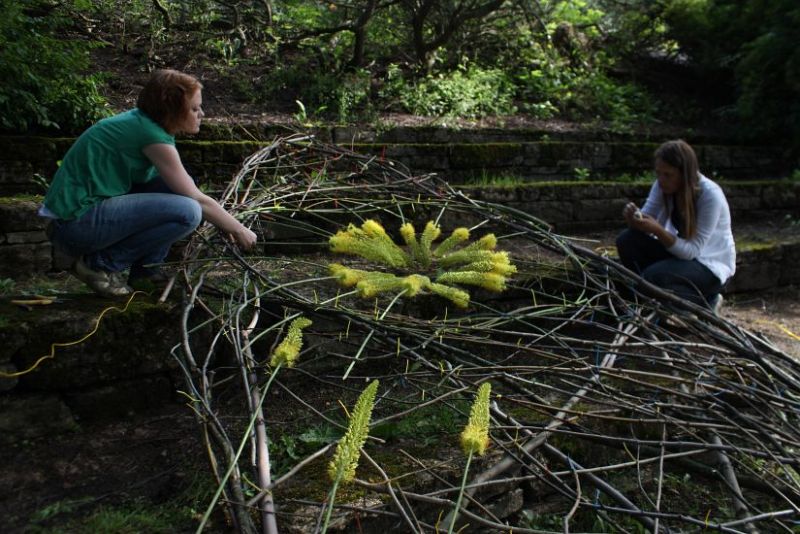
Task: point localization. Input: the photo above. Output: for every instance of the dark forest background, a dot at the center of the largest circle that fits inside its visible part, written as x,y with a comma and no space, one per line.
64,64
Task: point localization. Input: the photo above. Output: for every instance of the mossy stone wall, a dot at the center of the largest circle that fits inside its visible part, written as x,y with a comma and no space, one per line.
457,157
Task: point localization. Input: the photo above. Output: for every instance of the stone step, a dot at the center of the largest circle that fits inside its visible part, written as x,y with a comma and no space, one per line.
27,163
83,358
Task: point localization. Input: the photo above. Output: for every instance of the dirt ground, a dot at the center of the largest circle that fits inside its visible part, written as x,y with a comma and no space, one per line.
774,314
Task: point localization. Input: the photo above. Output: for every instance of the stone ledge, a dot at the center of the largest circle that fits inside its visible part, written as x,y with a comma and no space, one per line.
457,158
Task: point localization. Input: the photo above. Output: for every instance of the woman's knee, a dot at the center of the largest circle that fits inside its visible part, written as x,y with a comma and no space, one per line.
623,241
187,211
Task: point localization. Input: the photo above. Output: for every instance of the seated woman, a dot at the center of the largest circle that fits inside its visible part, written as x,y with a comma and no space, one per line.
98,214
681,238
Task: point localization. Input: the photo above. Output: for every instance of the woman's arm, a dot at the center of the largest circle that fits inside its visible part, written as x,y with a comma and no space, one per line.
168,163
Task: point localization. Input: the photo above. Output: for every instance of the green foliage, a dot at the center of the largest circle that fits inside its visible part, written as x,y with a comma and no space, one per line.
574,59
44,73
750,46
582,173
7,285
129,518
426,426
288,448
466,92
340,96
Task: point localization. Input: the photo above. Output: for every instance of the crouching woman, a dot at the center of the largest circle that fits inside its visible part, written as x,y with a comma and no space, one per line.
681,239
122,196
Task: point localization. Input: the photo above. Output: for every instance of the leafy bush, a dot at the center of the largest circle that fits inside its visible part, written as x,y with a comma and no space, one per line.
334,95
49,87
467,92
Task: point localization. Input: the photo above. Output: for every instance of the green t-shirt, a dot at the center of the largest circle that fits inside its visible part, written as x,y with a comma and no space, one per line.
104,162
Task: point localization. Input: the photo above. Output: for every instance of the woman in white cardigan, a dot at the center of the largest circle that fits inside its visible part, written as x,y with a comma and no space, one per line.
681,238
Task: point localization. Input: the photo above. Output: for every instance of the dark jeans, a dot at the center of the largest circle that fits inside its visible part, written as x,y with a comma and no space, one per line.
130,230
646,256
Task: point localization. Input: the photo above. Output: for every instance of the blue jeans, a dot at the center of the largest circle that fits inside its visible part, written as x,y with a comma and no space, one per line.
689,279
130,230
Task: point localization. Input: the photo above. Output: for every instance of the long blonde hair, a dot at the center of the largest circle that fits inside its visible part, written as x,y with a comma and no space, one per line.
679,154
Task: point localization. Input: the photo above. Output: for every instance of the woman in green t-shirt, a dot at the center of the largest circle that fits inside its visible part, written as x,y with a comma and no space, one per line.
99,211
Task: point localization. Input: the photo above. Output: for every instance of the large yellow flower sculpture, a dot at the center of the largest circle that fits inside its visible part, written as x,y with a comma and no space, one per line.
419,268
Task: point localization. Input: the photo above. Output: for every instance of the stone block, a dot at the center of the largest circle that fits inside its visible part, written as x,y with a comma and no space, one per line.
22,261
551,212
17,173
790,265
8,383
713,158
498,195
599,210
20,238
120,398
757,269
32,416
124,347
486,156
741,205
508,504
781,196
20,216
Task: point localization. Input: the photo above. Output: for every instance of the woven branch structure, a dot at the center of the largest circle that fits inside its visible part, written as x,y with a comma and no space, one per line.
614,406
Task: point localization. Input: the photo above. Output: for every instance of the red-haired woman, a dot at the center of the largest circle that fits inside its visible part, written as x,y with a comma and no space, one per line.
681,238
122,197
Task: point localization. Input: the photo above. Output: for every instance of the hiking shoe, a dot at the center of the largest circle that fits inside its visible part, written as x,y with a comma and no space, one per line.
716,304
101,282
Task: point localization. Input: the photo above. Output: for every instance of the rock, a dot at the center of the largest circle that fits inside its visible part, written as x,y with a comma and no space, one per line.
32,416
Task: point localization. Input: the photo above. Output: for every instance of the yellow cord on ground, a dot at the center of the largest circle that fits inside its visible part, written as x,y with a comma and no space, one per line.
783,328
70,343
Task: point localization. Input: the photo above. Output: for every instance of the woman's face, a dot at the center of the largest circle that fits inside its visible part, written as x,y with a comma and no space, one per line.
670,178
191,122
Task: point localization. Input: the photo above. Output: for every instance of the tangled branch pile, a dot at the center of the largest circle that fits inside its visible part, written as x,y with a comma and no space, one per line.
613,406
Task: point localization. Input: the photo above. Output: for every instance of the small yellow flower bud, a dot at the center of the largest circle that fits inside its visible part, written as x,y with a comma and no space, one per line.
475,437
289,349
348,452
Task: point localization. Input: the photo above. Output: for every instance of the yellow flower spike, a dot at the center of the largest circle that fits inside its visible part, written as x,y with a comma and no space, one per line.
380,248
414,284
504,269
466,256
287,351
475,437
429,235
410,237
487,242
373,228
490,281
484,266
346,276
348,452
459,235
372,286
459,297
408,233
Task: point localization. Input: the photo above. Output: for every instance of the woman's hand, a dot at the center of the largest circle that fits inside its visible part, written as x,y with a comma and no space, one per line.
244,237
631,213
648,225
645,223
